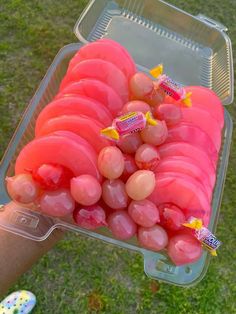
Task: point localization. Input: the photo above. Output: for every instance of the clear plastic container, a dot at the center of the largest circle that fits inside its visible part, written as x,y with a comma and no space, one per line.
191,57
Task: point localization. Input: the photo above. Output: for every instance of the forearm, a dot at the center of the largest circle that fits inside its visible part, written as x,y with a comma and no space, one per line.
18,254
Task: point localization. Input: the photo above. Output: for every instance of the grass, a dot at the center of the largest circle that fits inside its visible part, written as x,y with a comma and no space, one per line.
82,275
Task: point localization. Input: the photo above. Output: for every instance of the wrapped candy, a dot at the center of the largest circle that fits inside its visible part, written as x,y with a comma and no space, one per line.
170,87
204,235
127,124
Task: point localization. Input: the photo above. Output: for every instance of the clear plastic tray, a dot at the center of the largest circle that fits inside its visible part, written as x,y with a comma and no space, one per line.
32,224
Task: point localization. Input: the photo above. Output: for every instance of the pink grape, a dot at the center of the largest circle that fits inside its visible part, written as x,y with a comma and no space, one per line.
57,203
156,97
136,105
140,184
114,194
121,225
171,216
183,248
111,162
141,85
170,113
22,188
154,238
144,213
130,167
52,176
155,134
90,217
130,143
147,157
86,189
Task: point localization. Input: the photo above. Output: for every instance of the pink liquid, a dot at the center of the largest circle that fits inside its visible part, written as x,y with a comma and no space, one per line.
187,132
83,126
79,105
59,150
101,70
105,51
96,90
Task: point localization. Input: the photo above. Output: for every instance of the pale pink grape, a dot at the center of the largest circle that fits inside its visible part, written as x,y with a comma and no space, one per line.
169,112
147,157
140,184
171,217
144,213
130,167
90,217
111,162
121,225
155,134
21,188
183,248
114,194
141,85
130,143
57,203
136,105
86,189
154,238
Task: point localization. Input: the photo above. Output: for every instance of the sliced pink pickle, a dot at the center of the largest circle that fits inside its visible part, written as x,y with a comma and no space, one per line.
204,121
96,90
183,249
187,132
101,70
74,106
105,51
204,98
124,50
189,150
60,150
183,192
186,166
87,128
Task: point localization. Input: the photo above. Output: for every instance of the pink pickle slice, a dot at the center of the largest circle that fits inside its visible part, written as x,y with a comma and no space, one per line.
186,166
204,121
124,50
183,192
105,51
101,70
189,150
59,150
204,98
187,132
85,127
74,106
96,90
